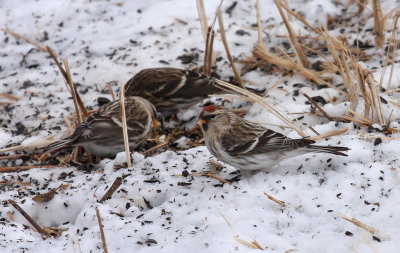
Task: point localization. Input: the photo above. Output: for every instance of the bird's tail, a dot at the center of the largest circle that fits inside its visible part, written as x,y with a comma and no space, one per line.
56,146
328,149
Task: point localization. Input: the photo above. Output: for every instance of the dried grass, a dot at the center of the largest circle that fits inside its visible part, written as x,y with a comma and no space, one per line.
124,125
330,134
379,23
228,53
252,244
279,202
300,55
393,44
359,224
103,238
19,36
264,103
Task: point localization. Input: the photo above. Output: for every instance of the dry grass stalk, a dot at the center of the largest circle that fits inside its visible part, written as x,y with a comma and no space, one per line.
210,174
46,197
103,238
370,93
73,91
353,119
374,136
360,75
359,224
111,91
265,104
117,182
259,26
75,96
300,55
228,53
379,23
253,244
260,52
203,18
390,49
226,220
68,81
300,37
341,63
10,157
10,216
29,218
69,125
294,14
394,50
288,63
18,36
286,3
154,148
208,55
208,35
377,114
232,96
284,78
366,120
281,203
215,166
316,105
8,96
361,5
54,231
330,134
313,130
124,126
310,74
25,167
207,174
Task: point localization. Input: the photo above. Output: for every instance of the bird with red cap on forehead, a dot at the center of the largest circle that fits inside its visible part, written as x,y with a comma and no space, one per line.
249,146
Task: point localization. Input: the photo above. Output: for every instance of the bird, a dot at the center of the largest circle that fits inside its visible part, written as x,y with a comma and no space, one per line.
249,146
172,89
101,133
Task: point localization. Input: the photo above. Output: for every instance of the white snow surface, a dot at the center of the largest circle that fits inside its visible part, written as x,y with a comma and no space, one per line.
156,209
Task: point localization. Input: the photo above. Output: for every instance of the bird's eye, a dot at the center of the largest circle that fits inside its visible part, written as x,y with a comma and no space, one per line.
209,117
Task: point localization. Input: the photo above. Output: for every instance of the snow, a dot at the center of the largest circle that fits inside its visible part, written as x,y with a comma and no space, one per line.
156,209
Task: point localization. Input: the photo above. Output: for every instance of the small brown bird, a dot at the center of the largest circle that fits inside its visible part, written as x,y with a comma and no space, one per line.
101,133
171,89
248,146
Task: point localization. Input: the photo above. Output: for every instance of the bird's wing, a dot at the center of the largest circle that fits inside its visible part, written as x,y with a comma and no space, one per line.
172,82
252,139
106,123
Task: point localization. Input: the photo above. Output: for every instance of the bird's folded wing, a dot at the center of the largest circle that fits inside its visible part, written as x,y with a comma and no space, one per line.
260,140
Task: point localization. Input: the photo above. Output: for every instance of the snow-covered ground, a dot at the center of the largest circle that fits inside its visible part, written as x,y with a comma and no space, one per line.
156,209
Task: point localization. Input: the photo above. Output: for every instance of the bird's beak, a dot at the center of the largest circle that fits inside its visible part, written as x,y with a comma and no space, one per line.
201,122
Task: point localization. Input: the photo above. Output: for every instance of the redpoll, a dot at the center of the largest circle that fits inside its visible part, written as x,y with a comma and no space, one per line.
249,146
101,133
171,89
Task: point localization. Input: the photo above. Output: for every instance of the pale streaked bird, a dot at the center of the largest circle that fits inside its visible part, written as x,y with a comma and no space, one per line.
171,89
249,146
101,133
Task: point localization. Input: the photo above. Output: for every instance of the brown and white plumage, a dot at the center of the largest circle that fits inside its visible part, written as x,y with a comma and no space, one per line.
249,146
101,133
171,89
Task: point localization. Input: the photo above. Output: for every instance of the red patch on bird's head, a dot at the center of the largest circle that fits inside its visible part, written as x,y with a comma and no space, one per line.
210,108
